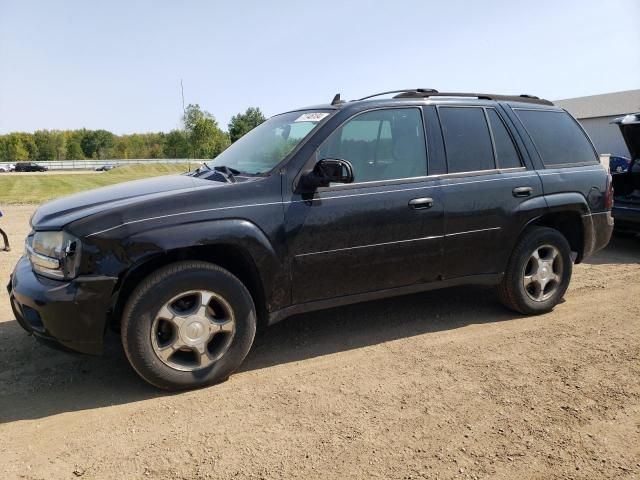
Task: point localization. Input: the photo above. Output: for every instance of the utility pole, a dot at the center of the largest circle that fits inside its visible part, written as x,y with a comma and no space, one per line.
184,114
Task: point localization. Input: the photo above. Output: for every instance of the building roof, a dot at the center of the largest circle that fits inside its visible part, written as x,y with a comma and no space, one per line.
606,105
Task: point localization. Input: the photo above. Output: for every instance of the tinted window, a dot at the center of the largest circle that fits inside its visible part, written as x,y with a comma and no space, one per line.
466,139
381,145
557,137
505,149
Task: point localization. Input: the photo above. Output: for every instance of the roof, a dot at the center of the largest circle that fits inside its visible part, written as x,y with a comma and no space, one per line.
605,105
427,95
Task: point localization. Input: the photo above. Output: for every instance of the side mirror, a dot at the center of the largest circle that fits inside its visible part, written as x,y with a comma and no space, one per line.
328,171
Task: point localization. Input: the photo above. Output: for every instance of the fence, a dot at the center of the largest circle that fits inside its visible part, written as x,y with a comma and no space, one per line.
93,164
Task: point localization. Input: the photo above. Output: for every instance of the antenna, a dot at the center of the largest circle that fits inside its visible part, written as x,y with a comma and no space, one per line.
184,114
182,92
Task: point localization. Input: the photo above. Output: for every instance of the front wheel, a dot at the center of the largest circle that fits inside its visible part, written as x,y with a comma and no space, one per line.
538,272
188,325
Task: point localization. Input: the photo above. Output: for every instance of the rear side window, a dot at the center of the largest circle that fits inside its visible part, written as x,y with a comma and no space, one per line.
466,139
506,153
557,137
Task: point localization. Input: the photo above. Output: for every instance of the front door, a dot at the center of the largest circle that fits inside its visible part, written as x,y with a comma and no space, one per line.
384,230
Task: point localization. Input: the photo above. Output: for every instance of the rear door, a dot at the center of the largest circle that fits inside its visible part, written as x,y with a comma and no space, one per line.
384,230
485,189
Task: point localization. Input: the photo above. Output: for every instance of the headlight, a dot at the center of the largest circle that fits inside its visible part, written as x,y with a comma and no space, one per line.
54,254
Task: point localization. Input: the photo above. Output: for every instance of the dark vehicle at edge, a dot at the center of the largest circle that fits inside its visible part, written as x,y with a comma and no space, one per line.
626,185
29,167
317,208
105,168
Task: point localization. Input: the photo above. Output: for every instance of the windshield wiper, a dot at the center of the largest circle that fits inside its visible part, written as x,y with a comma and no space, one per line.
227,172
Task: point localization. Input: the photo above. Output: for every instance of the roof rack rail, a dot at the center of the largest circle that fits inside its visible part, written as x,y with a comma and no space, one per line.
404,90
419,93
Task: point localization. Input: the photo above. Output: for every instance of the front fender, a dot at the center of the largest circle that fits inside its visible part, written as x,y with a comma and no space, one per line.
128,254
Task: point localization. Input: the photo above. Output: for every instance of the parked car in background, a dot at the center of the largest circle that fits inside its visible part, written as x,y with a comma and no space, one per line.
29,167
626,185
7,168
318,208
105,168
618,164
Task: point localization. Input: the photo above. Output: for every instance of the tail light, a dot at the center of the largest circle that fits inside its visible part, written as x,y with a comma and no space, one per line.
608,199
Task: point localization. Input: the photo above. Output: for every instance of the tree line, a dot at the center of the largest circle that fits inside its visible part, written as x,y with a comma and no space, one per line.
201,137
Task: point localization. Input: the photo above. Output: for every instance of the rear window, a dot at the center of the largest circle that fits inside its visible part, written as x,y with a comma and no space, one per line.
557,137
466,139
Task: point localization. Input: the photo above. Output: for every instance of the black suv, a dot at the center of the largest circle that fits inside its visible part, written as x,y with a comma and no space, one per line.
315,208
29,167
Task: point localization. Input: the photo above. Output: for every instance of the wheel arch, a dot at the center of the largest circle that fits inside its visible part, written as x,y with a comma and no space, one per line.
238,246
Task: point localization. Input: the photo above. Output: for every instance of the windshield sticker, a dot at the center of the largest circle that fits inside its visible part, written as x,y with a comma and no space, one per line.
311,117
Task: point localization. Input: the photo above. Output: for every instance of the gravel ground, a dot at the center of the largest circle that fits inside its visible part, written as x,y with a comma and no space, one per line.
444,384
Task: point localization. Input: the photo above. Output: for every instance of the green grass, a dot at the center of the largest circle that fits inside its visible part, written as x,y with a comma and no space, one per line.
40,187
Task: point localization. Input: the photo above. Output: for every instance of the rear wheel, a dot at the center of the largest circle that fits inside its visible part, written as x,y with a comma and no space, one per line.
538,272
187,325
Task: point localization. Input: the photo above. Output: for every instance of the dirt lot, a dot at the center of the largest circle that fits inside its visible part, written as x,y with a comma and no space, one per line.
439,385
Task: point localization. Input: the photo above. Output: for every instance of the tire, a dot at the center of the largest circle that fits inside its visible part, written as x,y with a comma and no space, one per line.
188,284
523,267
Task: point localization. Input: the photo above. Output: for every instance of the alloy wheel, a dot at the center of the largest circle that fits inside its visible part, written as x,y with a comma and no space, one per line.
542,273
193,330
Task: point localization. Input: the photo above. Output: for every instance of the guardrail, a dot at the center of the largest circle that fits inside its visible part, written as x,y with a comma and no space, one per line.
93,164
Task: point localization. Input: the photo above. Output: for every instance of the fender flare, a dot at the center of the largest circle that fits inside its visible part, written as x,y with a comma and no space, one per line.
565,202
148,245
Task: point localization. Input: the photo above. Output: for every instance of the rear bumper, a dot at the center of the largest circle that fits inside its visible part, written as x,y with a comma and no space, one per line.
71,314
627,217
598,228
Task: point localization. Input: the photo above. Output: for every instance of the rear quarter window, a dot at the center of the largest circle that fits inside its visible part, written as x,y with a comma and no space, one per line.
557,137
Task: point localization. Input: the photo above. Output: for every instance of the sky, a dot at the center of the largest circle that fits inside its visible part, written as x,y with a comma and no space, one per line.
117,64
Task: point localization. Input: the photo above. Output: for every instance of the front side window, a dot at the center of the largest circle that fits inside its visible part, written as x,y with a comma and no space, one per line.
466,139
268,144
557,137
383,144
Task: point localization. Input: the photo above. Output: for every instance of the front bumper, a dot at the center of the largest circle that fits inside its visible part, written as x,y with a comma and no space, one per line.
69,314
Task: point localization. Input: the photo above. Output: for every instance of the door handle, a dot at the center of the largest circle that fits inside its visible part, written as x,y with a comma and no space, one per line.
421,203
522,191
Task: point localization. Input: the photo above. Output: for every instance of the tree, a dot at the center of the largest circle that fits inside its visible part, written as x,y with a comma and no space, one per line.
201,138
176,145
74,152
244,122
96,143
206,140
18,147
50,144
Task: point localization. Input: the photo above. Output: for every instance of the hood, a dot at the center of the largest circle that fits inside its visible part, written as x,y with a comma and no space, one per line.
630,129
58,213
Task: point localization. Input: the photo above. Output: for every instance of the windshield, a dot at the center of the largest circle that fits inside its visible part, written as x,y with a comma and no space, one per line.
268,144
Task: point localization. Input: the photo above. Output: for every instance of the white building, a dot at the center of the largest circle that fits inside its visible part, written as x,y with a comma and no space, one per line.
596,111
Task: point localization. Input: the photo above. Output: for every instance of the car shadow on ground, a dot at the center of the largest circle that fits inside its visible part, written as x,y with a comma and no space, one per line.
38,382
623,248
